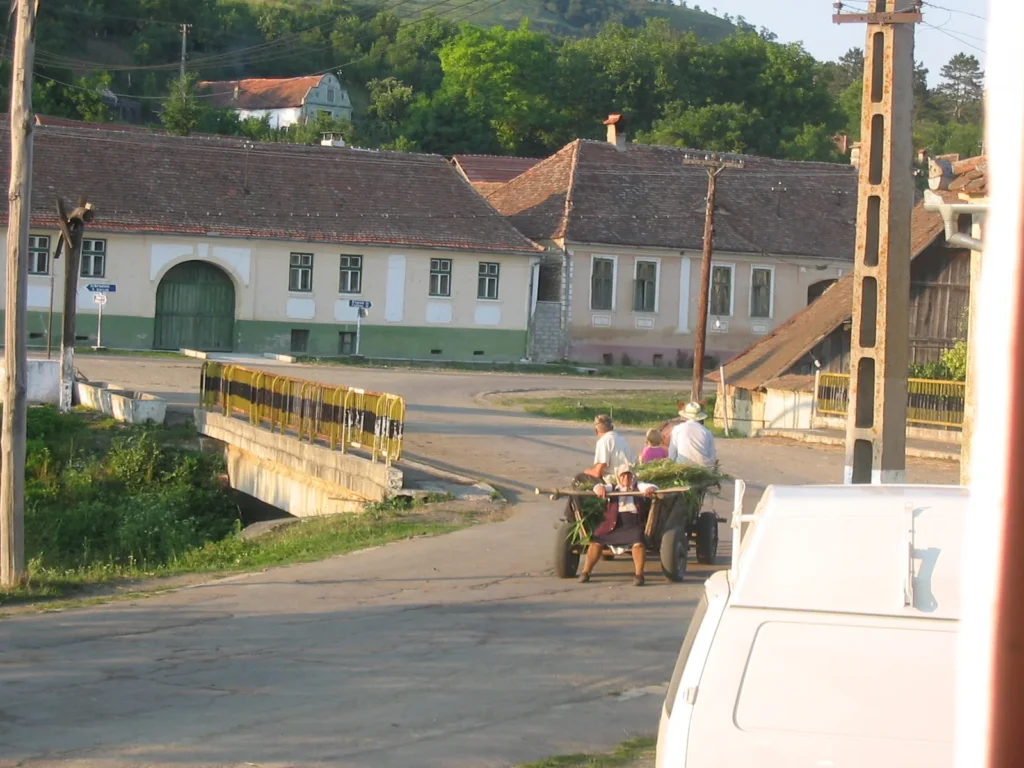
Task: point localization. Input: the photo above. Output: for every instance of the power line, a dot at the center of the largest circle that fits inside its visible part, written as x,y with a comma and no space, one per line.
949,34
955,10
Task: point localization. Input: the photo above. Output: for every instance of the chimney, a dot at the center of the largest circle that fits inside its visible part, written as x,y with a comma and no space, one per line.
616,132
331,140
855,154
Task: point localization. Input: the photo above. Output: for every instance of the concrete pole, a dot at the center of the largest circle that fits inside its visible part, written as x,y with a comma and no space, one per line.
876,432
971,384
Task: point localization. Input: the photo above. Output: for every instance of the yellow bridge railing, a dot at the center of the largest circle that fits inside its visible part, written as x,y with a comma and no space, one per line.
930,402
341,417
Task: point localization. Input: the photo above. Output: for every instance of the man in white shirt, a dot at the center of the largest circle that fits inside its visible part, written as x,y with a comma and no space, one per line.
611,451
691,442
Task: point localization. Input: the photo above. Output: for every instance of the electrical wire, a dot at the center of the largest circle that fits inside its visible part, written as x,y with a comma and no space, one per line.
954,10
949,34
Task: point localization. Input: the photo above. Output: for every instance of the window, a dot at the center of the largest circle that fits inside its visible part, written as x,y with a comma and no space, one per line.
440,277
351,274
487,280
330,95
761,284
602,284
300,340
38,254
94,258
300,274
645,287
721,291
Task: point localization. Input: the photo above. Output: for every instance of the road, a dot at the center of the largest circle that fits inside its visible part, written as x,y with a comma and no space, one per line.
454,651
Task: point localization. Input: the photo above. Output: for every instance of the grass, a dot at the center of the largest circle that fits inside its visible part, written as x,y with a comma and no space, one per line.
109,352
544,369
627,755
645,408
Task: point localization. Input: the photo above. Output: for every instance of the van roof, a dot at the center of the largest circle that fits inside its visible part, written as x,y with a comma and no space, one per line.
853,548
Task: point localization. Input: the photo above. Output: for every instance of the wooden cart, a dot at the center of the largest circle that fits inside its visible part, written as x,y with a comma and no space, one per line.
673,520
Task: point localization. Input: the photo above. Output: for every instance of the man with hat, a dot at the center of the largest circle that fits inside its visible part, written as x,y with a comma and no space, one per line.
691,442
623,524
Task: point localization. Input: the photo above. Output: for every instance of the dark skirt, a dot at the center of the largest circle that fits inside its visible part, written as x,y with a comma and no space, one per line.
628,531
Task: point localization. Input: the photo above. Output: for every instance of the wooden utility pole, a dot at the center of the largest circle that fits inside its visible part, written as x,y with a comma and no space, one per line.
876,433
49,316
72,227
714,167
184,39
15,409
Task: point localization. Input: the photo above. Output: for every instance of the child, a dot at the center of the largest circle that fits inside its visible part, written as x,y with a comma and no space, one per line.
654,450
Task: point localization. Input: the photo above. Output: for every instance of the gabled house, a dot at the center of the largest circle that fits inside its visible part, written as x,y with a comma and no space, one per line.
489,172
223,244
283,101
623,227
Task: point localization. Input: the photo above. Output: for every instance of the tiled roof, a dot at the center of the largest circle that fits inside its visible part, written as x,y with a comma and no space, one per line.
971,176
591,192
776,353
491,169
233,187
63,122
260,93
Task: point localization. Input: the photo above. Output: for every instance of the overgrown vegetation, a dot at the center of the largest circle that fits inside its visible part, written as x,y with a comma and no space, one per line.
628,754
951,366
105,502
632,408
682,75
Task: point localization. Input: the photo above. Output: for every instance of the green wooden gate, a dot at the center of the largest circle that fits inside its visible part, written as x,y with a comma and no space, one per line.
195,309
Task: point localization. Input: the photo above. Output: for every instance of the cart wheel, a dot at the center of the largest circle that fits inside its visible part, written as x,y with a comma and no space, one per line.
567,562
674,547
707,538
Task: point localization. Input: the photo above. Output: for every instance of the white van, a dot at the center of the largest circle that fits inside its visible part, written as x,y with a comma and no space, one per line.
831,641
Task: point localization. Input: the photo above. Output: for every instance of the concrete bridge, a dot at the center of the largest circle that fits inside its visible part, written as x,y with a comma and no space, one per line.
306,448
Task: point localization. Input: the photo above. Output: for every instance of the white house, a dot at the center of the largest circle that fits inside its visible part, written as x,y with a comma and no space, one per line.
285,101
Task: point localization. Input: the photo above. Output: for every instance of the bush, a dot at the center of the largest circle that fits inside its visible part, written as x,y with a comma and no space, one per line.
951,366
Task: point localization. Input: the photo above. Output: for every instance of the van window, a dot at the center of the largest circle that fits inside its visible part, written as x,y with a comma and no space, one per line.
862,681
684,653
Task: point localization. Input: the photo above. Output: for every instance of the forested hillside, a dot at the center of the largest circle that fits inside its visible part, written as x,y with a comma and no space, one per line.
476,76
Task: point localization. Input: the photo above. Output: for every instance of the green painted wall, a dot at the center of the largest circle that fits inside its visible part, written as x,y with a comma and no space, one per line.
385,340
256,336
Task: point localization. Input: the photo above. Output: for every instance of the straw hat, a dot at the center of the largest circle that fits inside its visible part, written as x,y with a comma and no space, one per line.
692,412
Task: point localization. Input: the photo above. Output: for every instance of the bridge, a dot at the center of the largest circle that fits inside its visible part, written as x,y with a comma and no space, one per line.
306,448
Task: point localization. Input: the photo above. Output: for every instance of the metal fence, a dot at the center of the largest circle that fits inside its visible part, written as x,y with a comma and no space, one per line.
342,417
930,402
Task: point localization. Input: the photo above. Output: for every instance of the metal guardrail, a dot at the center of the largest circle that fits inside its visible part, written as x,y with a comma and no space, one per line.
930,402
342,417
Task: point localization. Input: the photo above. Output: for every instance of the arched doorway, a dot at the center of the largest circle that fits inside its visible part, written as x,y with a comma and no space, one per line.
195,308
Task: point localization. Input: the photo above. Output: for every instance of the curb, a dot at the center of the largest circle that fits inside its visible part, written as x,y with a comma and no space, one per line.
446,475
916,453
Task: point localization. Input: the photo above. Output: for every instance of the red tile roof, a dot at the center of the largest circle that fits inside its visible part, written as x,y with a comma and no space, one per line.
232,187
971,176
492,169
260,93
592,192
775,354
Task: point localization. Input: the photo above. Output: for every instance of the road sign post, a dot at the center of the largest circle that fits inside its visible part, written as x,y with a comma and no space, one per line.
99,300
362,307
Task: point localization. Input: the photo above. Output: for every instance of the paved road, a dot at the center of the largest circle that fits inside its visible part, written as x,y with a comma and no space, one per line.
454,651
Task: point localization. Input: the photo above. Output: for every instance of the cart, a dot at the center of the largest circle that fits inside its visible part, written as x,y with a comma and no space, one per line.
673,520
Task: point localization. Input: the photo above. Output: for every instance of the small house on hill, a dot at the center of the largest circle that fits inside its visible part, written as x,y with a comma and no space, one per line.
284,101
771,383
623,225
489,172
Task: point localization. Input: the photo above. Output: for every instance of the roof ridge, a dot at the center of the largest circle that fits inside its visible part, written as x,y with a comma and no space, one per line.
563,228
746,156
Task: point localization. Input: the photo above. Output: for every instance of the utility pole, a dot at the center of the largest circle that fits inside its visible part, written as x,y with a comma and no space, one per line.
876,432
49,316
184,38
714,166
15,409
72,227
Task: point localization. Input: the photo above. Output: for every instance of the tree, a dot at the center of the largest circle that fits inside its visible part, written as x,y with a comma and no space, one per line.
181,110
714,128
962,86
390,100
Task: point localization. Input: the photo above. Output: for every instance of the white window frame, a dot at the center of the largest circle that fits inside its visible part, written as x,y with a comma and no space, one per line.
657,282
38,245
615,280
440,271
732,287
89,248
496,276
342,269
300,268
771,292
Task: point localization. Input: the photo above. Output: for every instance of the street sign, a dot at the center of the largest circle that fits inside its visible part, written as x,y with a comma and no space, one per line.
359,303
101,288
99,298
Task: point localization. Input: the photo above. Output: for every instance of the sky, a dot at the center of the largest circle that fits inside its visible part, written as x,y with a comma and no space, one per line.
810,22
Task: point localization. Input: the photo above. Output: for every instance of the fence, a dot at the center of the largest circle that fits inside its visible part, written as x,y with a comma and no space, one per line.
342,417
930,402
